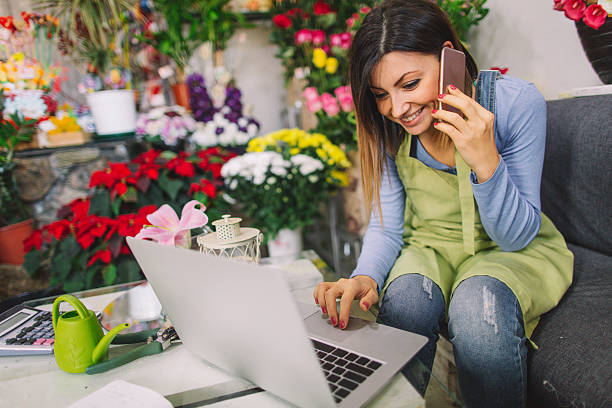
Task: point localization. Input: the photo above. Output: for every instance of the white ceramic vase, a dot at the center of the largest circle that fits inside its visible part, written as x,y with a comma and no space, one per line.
113,111
287,243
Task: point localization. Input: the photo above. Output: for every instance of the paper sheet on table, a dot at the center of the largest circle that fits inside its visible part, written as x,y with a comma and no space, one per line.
121,393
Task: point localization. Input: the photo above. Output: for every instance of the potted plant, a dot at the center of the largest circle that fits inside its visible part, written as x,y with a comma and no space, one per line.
282,180
15,220
93,33
187,25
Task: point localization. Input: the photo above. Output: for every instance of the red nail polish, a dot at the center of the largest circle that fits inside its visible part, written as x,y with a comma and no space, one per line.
453,87
436,123
333,319
323,309
440,96
317,301
434,110
341,324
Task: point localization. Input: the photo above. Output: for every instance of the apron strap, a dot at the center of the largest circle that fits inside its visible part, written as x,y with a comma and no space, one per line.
485,96
466,201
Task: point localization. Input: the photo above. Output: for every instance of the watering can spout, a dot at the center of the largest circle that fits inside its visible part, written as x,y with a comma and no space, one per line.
99,352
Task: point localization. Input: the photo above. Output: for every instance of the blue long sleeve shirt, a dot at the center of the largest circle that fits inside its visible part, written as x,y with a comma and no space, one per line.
508,202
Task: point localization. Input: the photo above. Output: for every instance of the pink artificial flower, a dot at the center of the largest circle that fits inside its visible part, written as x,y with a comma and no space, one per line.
595,16
311,93
365,10
574,9
303,36
335,40
167,229
318,37
350,22
346,40
327,98
314,105
327,49
559,4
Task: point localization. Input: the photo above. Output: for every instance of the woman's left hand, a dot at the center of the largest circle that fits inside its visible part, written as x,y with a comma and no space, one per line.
473,135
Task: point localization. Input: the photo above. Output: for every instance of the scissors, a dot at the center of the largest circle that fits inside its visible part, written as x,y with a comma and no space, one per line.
157,340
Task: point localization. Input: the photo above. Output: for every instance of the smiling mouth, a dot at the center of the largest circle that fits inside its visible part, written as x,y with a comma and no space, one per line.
413,116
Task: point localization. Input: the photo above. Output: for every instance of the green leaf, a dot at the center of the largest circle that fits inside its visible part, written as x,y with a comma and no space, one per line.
75,283
60,266
109,273
31,262
90,275
129,271
116,205
69,246
171,187
100,203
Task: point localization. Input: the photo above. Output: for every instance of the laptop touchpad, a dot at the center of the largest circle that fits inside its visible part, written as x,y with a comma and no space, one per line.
319,324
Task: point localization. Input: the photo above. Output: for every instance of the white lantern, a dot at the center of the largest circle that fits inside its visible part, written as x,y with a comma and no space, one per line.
231,241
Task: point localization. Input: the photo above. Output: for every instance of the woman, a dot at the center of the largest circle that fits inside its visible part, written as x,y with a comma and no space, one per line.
456,232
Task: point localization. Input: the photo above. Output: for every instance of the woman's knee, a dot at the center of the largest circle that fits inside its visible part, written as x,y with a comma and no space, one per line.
413,302
485,320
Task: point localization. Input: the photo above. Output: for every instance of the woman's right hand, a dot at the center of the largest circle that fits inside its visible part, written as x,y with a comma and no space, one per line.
358,287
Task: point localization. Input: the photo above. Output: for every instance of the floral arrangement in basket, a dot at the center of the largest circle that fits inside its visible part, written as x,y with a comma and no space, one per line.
165,126
223,123
284,178
592,12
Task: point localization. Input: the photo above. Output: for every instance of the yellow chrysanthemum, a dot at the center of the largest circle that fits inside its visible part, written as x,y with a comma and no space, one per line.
340,177
319,58
331,65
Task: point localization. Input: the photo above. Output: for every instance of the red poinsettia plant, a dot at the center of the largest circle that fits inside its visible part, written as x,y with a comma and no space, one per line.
156,177
84,250
592,12
86,247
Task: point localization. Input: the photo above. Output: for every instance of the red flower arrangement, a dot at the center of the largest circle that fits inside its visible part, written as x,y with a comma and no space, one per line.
592,12
86,245
85,250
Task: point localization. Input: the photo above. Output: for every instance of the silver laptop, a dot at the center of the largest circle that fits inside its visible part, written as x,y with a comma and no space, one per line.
242,317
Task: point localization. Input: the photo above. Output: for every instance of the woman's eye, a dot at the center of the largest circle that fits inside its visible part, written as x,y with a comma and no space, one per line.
411,84
379,95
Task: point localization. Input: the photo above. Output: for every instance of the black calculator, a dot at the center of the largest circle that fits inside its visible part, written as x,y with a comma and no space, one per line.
25,331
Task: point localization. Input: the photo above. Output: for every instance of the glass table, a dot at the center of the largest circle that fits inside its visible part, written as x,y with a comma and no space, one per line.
178,375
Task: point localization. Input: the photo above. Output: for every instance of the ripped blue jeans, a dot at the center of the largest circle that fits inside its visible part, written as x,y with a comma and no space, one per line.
485,325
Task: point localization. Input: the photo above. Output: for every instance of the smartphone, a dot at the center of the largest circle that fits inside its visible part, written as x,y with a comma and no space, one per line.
452,71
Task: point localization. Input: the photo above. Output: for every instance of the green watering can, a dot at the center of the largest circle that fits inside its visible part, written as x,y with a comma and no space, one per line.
79,340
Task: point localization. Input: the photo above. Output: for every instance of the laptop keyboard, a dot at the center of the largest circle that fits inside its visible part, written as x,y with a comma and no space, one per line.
343,369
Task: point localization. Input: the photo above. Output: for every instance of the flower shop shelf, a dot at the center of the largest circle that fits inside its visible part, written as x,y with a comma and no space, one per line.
96,143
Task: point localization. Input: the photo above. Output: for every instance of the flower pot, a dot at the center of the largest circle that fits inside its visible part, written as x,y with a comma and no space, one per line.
11,241
597,45
114,112
181,94
287,243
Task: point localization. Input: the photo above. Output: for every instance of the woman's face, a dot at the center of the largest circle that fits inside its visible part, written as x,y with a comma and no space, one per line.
405,86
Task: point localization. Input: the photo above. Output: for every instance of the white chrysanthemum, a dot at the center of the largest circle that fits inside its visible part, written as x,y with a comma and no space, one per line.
306,164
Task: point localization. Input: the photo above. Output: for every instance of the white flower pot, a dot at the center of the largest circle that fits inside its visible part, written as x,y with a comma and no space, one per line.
287,243
114,111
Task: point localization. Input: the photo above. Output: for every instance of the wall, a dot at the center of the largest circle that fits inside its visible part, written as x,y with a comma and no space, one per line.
536,42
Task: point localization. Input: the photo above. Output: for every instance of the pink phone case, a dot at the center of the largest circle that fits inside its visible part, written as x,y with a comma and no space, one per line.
452,72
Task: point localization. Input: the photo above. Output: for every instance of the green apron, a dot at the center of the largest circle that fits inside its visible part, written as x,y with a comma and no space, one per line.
445,241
